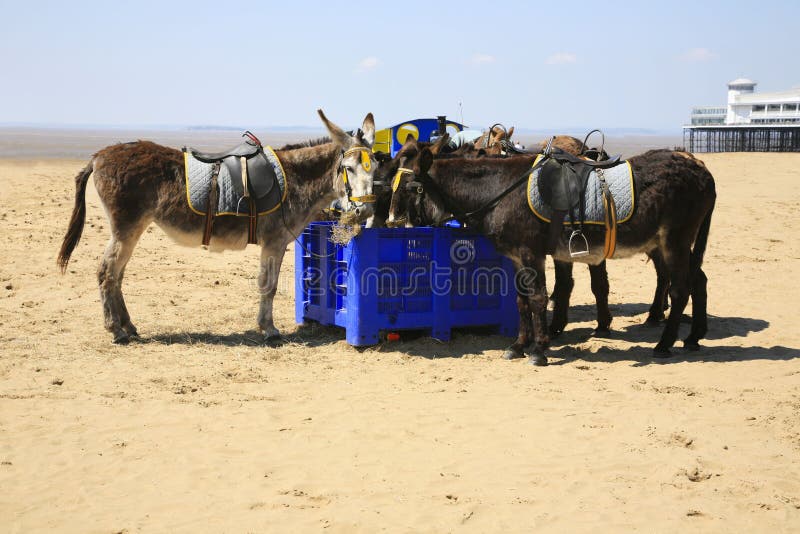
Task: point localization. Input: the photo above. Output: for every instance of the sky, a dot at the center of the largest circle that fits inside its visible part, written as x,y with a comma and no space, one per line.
537,65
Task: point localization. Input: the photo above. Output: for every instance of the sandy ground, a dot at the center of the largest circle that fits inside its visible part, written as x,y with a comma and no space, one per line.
198,427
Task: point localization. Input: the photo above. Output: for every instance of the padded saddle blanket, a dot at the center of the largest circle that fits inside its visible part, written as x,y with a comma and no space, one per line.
620,184
198,187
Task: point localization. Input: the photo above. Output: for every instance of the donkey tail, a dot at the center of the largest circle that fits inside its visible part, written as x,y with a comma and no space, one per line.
75,228
700,243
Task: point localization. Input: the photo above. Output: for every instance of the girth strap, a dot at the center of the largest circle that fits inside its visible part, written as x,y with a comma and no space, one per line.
610,209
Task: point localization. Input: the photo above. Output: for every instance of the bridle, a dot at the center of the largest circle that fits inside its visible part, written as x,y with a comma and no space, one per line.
398,177
366,164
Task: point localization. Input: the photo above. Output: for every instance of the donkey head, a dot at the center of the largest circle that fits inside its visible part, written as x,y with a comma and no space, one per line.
498,140
415,200
355,169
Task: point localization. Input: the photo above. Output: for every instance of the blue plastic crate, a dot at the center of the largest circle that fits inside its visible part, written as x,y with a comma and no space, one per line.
432,279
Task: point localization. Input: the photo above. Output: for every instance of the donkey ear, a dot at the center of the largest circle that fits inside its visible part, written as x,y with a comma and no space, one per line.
368,129
510,133
425,160
440,143
339,136
409,148
410,145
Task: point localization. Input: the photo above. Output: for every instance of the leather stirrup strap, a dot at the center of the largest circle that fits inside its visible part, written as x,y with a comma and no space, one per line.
252,238
211,208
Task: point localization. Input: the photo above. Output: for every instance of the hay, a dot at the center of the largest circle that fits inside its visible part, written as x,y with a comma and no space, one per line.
341,234
345,229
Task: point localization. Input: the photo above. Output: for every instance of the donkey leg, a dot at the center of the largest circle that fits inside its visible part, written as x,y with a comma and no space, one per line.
677,263
125,317
109,278
600,288
563,270
561,294
541,339
656,314
699,311
270,268
517,349
537,300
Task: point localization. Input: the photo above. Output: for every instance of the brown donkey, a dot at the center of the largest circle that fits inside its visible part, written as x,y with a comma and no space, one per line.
142,182
497,145
676,197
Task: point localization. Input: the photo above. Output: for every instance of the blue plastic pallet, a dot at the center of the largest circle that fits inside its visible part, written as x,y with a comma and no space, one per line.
432,279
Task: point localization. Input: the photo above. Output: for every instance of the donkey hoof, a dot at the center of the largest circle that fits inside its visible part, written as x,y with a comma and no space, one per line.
601,332
539,360
131,330
691,344
275,340
122,338
512,354
661,352
653,321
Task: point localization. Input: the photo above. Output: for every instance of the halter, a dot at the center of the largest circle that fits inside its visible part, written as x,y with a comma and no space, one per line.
366,164
399,176
415,185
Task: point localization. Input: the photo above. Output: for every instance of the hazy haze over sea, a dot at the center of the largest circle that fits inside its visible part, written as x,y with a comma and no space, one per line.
74,143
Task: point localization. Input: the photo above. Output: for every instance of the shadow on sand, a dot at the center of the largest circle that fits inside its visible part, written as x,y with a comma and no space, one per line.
563,348
718,327
251,338
310,335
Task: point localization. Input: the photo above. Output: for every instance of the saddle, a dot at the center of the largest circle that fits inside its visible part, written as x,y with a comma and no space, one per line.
253,179
562,184
246,149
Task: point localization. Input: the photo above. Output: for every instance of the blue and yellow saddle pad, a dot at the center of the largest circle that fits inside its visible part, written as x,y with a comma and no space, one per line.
620,184
198,187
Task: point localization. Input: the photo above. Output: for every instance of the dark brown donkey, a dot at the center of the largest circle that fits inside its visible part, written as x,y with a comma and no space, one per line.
675,200
142,182
498,144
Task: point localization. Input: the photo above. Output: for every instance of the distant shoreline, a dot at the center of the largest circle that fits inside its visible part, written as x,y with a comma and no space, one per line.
25,142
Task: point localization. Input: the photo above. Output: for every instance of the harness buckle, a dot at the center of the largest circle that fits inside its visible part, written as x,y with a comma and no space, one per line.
573,253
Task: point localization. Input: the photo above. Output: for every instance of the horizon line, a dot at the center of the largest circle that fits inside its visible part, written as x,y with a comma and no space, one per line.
301,128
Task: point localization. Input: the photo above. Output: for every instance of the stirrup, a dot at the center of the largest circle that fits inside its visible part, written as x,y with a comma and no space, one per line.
578,252
238,204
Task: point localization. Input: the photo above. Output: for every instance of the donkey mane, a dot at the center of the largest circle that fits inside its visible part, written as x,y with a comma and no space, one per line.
307,144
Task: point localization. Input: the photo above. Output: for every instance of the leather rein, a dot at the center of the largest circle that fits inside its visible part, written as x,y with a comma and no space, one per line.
419,188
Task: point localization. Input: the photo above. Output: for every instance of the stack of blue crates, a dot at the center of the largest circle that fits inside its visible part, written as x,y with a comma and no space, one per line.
431,279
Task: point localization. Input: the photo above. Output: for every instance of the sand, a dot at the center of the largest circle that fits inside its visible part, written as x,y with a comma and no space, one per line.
200,428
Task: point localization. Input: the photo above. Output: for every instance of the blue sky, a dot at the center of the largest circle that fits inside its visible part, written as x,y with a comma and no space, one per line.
538,65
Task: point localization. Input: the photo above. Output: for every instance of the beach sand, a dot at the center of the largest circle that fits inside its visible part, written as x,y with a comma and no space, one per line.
198,427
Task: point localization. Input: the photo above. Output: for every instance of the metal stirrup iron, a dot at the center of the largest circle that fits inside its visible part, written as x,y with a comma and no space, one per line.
579,252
